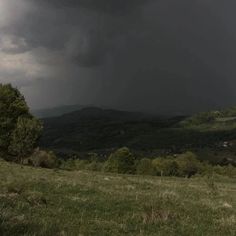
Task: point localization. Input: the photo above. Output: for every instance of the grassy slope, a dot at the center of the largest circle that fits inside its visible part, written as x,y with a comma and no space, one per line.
49,202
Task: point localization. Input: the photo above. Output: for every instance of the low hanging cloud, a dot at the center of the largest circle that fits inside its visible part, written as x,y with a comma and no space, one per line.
147,55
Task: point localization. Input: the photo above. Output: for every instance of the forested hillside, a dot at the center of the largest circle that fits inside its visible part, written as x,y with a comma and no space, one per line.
99,129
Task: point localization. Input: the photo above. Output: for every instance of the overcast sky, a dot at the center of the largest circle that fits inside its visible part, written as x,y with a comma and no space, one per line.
147,55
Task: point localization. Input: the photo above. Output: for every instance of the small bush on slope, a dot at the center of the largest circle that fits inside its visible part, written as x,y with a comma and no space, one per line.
43,159
121,161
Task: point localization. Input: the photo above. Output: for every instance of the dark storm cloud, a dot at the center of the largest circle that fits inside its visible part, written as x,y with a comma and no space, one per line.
120,7
87,49
86,28
132,54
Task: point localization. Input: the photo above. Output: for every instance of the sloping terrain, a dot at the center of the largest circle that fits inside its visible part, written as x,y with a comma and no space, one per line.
94,128
53,202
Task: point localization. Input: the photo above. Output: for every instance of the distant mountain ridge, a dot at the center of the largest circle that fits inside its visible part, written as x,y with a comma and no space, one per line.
101,113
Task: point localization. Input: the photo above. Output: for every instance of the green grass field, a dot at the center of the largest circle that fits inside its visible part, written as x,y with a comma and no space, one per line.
54,202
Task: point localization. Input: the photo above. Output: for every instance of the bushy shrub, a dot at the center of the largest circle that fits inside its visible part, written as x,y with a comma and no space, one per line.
67,164
188,164
81,165
145,167
43,159
229,170
205,169
165,166
94,166
121,161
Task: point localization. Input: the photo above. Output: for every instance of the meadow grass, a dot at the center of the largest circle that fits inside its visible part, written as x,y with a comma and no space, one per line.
54,202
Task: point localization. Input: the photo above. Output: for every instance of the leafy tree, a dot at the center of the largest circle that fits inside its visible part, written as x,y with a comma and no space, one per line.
16,123
121,161
24,137
12,106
